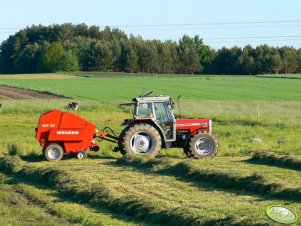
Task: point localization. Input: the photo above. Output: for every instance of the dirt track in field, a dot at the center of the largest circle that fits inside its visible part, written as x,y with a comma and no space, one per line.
9,93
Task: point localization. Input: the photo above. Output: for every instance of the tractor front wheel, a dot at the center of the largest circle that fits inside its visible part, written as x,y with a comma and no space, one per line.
53,152
203,145
140,139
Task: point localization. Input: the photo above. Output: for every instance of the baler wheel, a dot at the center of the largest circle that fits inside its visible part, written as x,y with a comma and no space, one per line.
81,155
140,139
53,152
203,145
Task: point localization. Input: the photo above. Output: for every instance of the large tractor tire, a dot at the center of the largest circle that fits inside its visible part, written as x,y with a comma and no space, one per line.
203,145
140,138
53,152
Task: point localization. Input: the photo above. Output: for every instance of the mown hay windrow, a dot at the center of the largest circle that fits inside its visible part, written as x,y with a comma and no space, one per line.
99,194
254,184
272,159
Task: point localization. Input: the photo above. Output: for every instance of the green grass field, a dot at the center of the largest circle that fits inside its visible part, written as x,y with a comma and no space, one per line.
106,189
192,88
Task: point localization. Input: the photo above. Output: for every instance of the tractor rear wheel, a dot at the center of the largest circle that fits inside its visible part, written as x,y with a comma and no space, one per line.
140,139
203,145
53,152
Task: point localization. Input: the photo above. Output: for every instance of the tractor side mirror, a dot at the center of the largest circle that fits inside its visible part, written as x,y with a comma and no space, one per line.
172,105
179,106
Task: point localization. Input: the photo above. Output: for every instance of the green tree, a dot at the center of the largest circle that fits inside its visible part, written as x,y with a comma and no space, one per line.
106,56
131,62
206,54
263,59
1,65
115,49
94,32
26,61
299,60
246,61
277,63
289,56
81,30
166,59
51,58
68,62
65,32
128,57
188,55
227,61
148,57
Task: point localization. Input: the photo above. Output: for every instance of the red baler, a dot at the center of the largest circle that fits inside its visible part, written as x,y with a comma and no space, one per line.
63,132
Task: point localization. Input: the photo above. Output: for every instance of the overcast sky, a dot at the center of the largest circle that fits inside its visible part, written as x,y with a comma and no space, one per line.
218,22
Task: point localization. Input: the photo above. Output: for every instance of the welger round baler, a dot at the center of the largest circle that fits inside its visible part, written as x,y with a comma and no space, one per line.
63,132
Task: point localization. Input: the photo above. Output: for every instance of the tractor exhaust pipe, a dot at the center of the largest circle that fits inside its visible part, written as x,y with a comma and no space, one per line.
147,93
179,106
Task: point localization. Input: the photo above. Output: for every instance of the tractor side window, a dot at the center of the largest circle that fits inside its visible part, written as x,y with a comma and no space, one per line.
145,110
161,113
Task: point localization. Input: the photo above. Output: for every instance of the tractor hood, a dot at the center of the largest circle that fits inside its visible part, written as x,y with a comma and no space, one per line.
194,125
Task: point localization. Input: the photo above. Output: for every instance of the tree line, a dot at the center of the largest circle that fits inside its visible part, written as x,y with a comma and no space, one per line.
79,47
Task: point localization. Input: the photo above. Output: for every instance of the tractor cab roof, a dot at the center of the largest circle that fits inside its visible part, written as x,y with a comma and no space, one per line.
147,99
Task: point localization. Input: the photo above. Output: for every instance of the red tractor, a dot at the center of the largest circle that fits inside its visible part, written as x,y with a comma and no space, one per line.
152,127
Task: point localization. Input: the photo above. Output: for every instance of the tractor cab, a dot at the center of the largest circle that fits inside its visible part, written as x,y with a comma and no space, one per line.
159,110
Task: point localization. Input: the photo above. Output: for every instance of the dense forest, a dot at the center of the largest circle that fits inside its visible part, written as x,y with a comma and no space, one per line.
70,47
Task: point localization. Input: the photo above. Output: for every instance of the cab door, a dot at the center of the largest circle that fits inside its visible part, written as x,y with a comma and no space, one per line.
165,119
